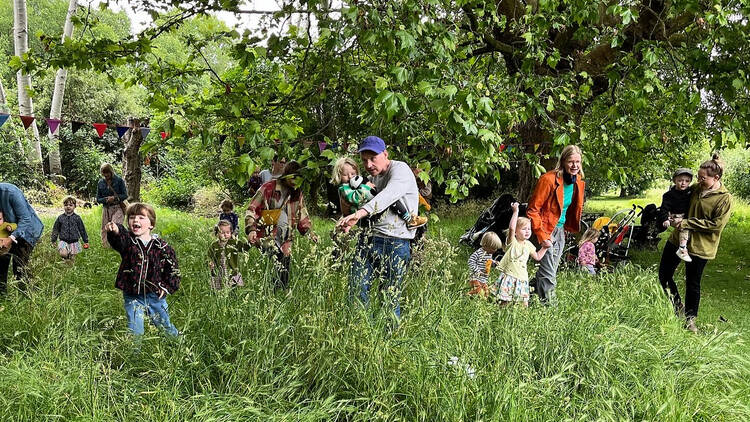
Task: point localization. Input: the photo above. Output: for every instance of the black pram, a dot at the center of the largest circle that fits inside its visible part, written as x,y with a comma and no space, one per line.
494,219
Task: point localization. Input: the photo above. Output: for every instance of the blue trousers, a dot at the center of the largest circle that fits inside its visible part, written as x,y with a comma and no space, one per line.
136,306
379,257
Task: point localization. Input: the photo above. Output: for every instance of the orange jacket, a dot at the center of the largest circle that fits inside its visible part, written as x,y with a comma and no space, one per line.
545,206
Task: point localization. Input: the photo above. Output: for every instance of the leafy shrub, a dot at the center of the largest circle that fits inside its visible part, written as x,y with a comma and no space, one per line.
81,160
14,168
737,172
207,199
176,190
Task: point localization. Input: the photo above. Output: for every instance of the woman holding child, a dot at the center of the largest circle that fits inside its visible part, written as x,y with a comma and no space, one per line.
707,215
554,208
111,193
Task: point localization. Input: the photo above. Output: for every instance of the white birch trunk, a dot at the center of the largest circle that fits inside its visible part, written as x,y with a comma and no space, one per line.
5,109
25,105
55,166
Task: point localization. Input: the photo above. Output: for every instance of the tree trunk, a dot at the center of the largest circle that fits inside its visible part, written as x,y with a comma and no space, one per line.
131,159
531,134
55,166
25,105
5,109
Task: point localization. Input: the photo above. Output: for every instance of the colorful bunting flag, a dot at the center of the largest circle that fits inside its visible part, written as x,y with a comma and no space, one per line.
100,128
502,147
335,145
53,124
222,138
322,146
241,141
121,131
3,118
536,147
26,121
74,126
163,135
144,132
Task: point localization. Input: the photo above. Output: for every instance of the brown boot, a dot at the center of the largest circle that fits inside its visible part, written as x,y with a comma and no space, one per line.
690,325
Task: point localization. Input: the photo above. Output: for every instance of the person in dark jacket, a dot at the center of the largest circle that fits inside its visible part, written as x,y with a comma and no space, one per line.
25,230
69,228
675,204
148,271
111,193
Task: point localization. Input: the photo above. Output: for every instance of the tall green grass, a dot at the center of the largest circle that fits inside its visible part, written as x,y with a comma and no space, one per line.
611,350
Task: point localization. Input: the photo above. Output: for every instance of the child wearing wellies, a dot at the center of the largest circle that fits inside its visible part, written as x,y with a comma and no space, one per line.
148,271
69,228
513,283
674,207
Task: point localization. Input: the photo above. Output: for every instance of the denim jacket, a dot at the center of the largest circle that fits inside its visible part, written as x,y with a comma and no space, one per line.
103,191
16,209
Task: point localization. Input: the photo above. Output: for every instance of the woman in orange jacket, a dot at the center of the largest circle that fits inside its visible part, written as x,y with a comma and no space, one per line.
554,208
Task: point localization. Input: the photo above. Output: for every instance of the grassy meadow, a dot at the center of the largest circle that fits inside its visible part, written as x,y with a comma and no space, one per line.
611,349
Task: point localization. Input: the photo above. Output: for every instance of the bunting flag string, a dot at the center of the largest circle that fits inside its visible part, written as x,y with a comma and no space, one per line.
53,124
100,128
121,131
27,121
3,118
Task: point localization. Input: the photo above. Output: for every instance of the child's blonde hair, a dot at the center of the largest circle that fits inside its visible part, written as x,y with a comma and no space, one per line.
69,198
222,223
590,235
522,222
338,168
491,240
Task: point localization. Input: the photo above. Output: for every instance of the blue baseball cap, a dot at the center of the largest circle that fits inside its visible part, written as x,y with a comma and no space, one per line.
372,143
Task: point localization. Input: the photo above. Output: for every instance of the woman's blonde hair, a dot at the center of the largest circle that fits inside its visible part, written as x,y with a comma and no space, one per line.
714,166
491,240
564,155
338,167
590,235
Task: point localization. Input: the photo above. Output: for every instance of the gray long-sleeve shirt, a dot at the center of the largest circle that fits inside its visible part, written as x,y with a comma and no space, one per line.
396,182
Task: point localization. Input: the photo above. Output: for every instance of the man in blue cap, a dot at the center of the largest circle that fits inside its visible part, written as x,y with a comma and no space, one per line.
25,230
386,250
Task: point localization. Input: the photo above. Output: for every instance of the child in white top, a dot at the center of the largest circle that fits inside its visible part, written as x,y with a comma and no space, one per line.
481,261
513,282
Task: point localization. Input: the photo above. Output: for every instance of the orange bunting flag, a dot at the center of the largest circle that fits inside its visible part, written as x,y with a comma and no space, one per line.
100,128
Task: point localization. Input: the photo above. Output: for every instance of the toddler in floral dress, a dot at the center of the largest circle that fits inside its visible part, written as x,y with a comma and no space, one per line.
513,283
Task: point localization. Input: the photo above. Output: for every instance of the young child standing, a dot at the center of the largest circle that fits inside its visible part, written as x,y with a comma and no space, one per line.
355,193
228,214
513,283
674,207
148,271
587,250
69,228
224,257
481,261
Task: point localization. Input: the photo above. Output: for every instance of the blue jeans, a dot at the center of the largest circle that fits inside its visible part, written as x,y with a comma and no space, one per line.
137,305
385,257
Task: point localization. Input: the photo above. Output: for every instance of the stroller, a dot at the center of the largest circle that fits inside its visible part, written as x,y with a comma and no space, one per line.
494,219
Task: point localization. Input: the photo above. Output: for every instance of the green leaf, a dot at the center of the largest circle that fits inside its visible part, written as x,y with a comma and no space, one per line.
400,73
737,83
266,153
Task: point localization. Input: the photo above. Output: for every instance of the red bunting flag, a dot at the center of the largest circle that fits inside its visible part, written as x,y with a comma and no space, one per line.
163,135
53,124
26,121
502,147
100,128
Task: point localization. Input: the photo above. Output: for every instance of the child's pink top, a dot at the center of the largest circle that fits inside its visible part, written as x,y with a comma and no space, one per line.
587,254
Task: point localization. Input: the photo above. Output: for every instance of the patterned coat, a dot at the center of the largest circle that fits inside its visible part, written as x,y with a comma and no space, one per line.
271,196
144,269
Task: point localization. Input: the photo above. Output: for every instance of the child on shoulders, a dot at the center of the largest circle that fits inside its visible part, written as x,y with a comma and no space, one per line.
69,228
674,207
224,256
228,214
481,261
148,271
587,258
513,282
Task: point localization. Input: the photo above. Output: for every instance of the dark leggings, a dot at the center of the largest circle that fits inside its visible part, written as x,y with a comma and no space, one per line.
693,273
19,252
281,267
